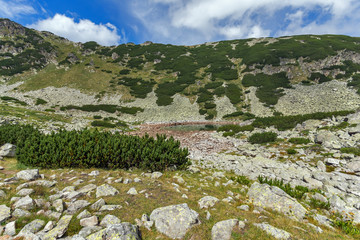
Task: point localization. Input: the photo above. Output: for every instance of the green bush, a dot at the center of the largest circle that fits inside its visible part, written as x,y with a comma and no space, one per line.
351,150
235,128
234,114
233,92
94,149
243,180
299,140
14,100
291,151
104,124
16,133
40,101
124,72
104,107
314,203
97,117
264,137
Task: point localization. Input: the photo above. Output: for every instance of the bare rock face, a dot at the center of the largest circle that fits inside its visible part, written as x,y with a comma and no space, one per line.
263,195
175,220
9,28
7,150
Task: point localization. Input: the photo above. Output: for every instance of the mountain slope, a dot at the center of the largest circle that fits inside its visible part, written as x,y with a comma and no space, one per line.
207,81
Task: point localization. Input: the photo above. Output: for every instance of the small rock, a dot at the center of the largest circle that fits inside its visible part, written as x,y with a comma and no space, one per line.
222,230
25,192
26,203
156,175
94,173
98,204
132,191
273,231
10,229
7,150
109,220
106,190
207,202
83,214
89,222
60,229
244,207
28,175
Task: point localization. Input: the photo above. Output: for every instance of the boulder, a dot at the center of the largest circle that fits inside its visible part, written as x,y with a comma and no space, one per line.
273,231
28,175
117,231
272,197
98,204
4,213
207,202
7,150
77,205
60,229
175,220
89,222
106,190
10,229
26,203
222,230
32,227
109,220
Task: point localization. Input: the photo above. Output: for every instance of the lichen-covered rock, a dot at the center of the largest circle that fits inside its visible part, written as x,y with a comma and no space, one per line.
98,204
109,220
207,202
266,196
77,205
222,230
117,231
25,192
7,150
26,203
28,175
106,190
4,213
87,188
10,229
32,227
175,220
273,231
60,229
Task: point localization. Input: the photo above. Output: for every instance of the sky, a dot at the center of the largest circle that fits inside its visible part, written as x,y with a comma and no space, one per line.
183,22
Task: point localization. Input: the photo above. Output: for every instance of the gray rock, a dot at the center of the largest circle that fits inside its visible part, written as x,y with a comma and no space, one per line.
89,222
10,229
20,213
73,195
7,150
28,175
60,229
87,188
354,130
2,194
77,237
123,231
86,231
222,230
316,228
77,205
32,227
207,202
132,191
106,190
50,225
98,204
109,208
4,213
156,175
353,166
44,183
58,205
109,220
94,173
83,214
175,220
332,161
263,195
319,197
321,166
323,220
273,231
244,207
26,203
25,192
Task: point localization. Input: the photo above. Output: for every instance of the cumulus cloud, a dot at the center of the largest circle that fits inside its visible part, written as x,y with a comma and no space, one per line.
194,21
82,31
15,8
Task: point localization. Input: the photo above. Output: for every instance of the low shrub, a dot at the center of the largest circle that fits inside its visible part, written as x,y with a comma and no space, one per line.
102,124
314,203
291,151
97,117
40,101
14,100
94,149
264,137
243,180
351,150
299,140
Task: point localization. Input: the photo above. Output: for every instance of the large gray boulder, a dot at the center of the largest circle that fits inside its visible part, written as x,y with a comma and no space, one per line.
32,227
60,229
28,175
328,139
7,150
175,220
207,201
263,195
222,230
5,213
26,203
121,231
106,190
273,231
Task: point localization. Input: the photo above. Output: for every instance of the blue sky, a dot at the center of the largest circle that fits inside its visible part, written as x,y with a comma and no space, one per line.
112,22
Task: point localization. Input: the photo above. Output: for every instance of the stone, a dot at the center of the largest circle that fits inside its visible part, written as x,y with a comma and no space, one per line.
77,205
89,222
207,202
44,183
316,228
4,213
273,231
321,166
58,205
98,204
86,231
87,188
109,220
94,173
106,190
222,230
244,207
2,194
156,175
84,214
73,195
26,203
123,231
319,197
332,161
175,220
132,191
263,195
50,225
28,175
323,220
25,192
109,208
60,229
7,150
20,213
10,229
32,227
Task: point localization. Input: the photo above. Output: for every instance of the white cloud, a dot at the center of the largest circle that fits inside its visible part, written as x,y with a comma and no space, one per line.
196,21
82,31
15,8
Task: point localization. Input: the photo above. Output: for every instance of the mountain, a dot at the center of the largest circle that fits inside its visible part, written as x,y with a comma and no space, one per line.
155,82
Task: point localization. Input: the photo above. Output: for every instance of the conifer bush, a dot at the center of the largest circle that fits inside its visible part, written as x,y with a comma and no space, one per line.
94,149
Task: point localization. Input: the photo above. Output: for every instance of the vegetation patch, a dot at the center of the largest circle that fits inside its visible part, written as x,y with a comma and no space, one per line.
14,100
40,101
265,137
351,150
299,140
104,107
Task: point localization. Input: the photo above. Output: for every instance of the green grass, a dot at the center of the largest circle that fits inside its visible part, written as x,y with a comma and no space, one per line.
260,138
299,140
